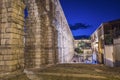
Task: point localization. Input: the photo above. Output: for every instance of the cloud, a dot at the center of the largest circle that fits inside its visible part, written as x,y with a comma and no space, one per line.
79,26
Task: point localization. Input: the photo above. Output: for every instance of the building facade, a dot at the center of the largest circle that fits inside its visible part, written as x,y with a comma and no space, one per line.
94,41
83,50
108,43
40,39
84,43
97,44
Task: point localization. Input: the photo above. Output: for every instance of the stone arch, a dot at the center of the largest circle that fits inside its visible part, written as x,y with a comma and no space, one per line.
31,42
37,30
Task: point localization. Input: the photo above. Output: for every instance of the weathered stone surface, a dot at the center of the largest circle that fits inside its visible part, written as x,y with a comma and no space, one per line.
64,38
36,41
11,35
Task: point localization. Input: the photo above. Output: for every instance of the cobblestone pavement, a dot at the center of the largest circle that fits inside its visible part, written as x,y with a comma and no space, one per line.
70,72
75,72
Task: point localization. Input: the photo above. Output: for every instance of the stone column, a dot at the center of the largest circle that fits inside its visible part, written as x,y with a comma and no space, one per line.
47,39
60,48
50,45
51,36
12,32
36,34
44,26
56,46
33,39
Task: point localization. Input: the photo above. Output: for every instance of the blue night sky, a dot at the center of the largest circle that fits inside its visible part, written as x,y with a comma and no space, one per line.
89,14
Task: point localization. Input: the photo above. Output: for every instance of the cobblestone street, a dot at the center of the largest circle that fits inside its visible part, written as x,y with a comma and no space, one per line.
73,72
